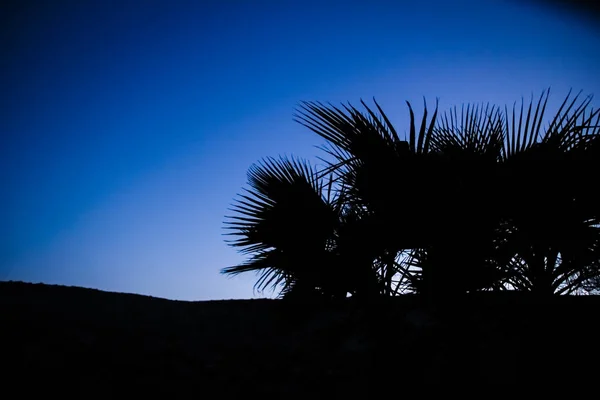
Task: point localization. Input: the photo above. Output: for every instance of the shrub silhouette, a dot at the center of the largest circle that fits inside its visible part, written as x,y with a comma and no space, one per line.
480,198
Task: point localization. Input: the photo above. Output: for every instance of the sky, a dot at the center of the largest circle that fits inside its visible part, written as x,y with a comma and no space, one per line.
127,127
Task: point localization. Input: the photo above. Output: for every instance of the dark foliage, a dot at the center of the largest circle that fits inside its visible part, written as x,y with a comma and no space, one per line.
477,198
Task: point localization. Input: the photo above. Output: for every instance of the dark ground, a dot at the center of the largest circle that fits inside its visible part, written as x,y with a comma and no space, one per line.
88,343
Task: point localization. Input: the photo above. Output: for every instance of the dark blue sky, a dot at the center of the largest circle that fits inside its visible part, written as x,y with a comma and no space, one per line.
127,126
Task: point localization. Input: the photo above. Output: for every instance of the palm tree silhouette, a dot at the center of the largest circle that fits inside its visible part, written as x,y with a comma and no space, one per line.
552,235
477,199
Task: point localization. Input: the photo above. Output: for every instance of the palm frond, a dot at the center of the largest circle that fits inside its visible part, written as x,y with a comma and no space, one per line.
283,220
476,131
283,205
523,131
420,144
267,264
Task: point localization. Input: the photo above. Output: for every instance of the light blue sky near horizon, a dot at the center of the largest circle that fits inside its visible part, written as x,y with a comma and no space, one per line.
128,126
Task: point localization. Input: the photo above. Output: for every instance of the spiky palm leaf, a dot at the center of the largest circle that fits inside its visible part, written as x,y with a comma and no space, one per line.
475,131
284,221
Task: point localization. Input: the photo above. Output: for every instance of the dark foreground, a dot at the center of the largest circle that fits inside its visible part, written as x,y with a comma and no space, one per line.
91,344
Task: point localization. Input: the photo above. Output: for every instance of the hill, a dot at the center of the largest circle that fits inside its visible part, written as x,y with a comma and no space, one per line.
85,342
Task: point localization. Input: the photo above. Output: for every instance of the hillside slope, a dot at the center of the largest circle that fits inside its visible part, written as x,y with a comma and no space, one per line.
85,342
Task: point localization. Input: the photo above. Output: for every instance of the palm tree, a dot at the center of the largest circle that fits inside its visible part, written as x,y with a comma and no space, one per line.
551,204
465,203
480,161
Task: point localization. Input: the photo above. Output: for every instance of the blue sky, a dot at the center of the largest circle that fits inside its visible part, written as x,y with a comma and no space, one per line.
127,126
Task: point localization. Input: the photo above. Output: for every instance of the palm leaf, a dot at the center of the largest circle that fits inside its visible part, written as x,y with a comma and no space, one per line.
283,220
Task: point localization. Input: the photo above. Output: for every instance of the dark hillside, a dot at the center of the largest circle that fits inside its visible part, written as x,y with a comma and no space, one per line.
84,342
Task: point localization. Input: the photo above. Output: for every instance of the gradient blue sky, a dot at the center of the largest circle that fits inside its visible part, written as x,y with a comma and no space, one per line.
127,126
